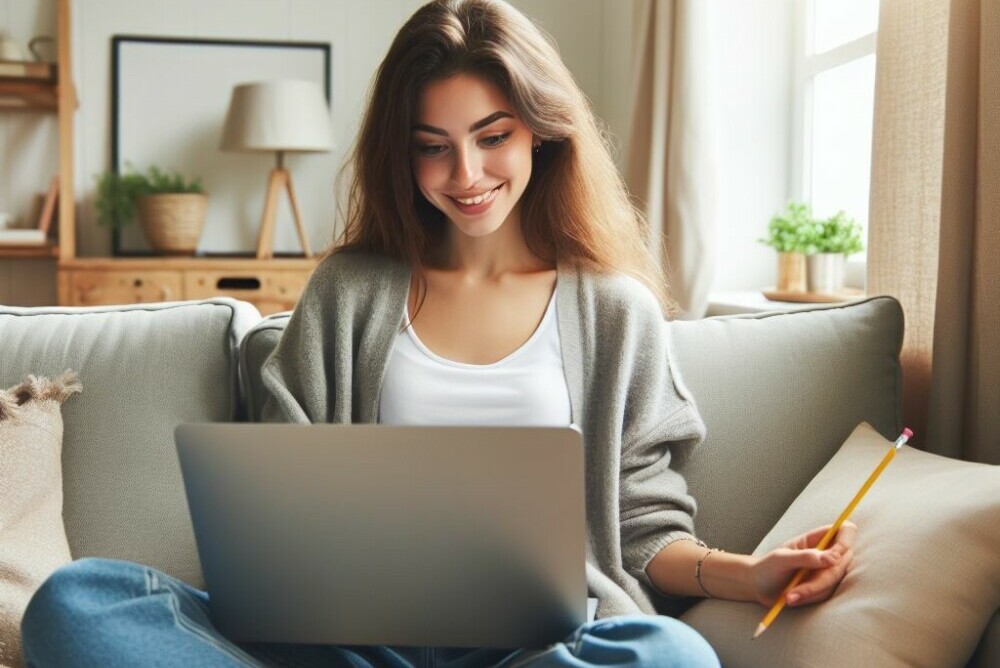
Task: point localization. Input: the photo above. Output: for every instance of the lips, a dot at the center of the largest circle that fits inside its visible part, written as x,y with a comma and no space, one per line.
483,194
482,207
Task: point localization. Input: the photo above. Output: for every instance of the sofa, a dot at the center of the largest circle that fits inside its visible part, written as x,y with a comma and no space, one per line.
771,388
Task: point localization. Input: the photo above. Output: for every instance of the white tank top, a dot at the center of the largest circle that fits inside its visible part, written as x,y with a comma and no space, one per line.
526,388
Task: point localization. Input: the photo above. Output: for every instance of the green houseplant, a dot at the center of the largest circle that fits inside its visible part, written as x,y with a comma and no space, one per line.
812,251
828,242
170,208
785,235
785,231
836,234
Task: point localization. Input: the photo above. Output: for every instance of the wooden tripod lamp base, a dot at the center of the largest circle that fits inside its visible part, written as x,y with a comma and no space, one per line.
279,180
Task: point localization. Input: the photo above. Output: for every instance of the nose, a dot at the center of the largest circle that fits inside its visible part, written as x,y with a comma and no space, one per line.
468,168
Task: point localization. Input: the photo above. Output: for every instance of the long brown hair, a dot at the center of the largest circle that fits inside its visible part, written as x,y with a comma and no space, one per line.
575,207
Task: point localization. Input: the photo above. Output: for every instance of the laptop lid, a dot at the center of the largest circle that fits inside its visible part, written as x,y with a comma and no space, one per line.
384,535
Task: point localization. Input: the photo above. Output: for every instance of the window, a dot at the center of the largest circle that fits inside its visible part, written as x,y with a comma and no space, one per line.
834,99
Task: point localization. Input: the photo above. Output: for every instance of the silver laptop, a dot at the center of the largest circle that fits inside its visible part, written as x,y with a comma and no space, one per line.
377,535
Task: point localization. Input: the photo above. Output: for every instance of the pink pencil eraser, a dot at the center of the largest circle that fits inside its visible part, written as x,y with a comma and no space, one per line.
907,433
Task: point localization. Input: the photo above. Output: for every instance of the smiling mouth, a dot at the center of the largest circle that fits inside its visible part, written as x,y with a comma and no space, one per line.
488,196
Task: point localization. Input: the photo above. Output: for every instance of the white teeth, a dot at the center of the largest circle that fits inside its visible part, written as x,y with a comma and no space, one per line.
478,199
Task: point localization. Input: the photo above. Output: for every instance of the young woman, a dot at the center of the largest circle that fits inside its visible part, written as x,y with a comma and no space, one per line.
492,272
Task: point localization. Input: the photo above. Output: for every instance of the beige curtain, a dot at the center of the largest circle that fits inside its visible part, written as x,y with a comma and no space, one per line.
935,214
671,167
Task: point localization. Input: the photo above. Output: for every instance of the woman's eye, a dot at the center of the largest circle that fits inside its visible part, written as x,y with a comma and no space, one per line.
431,150
493,141
496,140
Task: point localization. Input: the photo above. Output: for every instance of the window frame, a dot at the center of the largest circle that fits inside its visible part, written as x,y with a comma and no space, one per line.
808,65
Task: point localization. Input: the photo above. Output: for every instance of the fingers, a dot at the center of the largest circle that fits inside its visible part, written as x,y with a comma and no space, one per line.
822,584
807,558
808,539
845,536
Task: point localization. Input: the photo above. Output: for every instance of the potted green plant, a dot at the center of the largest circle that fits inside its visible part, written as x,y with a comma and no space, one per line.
170,208
827,243
785,235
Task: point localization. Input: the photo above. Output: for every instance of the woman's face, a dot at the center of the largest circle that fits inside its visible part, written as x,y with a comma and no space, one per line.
471,154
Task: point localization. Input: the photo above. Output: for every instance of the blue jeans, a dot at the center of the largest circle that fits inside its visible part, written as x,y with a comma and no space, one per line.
101,612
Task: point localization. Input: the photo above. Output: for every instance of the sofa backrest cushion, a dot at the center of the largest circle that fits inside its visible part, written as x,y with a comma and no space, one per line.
145,369
779,393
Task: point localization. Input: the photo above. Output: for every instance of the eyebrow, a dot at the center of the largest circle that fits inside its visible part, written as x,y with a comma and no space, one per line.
472,128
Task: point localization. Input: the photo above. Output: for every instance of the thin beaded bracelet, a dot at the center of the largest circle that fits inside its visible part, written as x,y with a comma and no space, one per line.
697,571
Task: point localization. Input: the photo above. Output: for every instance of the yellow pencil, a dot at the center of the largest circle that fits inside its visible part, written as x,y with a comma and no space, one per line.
828,536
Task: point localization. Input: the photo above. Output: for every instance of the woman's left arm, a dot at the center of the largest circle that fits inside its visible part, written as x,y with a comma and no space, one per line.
738,577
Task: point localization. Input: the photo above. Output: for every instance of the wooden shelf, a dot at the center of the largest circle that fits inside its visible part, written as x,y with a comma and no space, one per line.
48,87
29,86
163,263
26,251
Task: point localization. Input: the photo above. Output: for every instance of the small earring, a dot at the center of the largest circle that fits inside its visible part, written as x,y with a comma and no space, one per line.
538,147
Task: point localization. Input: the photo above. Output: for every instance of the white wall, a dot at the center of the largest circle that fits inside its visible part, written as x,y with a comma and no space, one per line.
592,35
753,133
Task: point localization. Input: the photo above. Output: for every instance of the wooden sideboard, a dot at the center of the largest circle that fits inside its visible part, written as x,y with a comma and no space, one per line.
270,285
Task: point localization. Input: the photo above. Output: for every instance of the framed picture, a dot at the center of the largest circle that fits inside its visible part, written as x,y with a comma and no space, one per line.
169,99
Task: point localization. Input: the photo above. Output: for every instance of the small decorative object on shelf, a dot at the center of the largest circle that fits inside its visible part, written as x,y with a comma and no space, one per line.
25,84
829,242
48,211
19,241
812,253
170,208
784,235
10,50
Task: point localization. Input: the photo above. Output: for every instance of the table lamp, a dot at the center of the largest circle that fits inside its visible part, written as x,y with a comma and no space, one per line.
280,117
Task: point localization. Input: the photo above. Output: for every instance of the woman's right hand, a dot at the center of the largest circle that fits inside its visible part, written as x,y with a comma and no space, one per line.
771,573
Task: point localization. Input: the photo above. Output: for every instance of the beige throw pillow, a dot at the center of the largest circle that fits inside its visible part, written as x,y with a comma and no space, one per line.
32,536
925,579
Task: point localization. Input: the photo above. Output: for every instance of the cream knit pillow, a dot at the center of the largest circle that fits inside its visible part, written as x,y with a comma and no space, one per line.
923,585
32,536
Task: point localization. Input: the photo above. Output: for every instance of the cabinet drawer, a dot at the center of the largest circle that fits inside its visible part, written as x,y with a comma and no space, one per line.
94,288
270,291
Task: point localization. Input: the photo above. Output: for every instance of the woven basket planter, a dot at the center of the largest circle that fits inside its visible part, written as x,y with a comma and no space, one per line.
173,222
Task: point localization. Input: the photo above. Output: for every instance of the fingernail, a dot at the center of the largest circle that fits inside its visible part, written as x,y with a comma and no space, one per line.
792,598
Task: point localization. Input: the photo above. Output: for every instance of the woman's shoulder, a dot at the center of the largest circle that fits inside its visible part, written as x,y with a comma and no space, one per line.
353,277
613,292
357,267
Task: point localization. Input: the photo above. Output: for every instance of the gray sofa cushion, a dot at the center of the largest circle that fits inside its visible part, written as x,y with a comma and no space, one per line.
780,393
144,369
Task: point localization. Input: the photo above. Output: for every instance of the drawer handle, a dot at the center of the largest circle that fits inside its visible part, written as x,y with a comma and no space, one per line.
238,284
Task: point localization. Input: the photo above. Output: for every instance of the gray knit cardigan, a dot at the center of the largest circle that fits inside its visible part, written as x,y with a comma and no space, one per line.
635,413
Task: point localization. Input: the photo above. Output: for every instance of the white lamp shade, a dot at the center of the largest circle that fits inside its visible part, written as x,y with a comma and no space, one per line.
277,116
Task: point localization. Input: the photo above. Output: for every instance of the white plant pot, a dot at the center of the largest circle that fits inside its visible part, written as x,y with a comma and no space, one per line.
825,272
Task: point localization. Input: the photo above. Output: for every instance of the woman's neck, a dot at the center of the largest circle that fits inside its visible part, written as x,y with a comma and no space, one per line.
488,257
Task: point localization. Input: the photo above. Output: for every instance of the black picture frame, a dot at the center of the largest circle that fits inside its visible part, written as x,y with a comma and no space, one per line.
224,53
